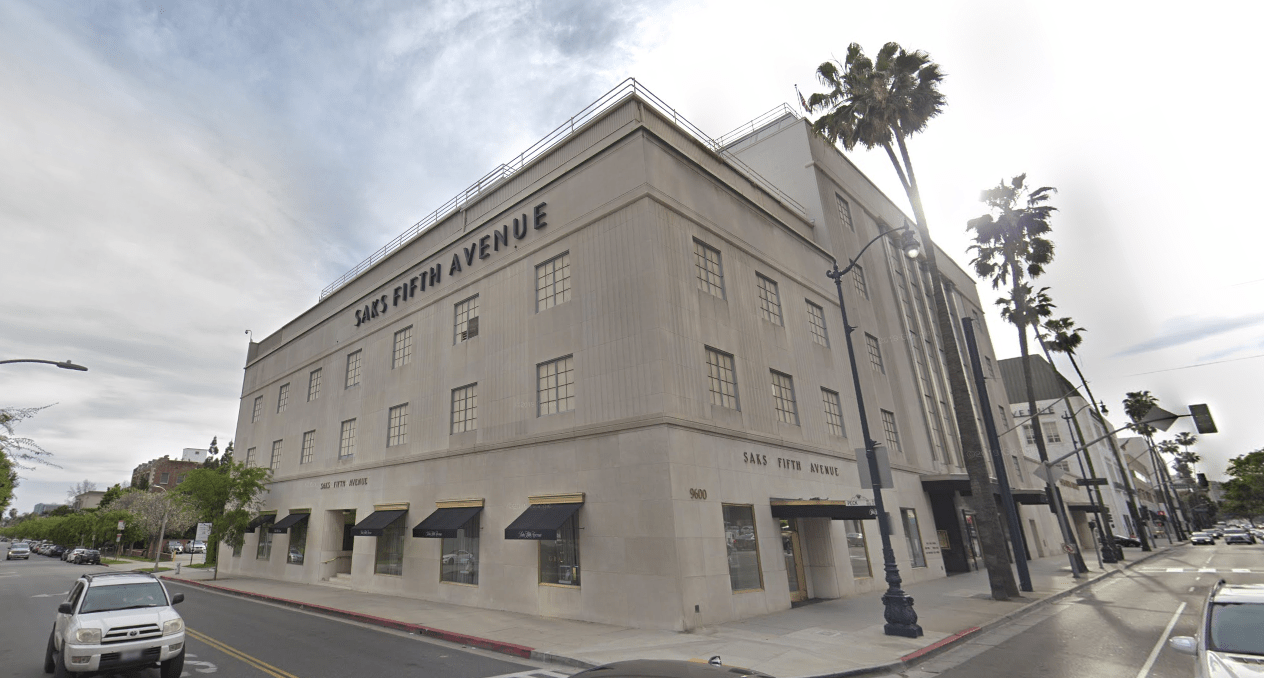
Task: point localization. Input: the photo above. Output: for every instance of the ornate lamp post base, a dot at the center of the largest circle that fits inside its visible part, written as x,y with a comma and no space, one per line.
900,616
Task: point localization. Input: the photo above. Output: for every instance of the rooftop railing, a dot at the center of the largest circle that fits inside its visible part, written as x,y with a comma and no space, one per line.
607,101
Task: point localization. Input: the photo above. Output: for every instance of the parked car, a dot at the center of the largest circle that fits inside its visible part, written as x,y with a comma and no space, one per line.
197,547
1238,536
18,550
115,622
1229,639
174,547
66,553
90,556
1121,540
1202,538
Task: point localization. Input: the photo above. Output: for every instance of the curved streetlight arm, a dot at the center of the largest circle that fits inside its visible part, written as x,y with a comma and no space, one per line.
65,364
852,262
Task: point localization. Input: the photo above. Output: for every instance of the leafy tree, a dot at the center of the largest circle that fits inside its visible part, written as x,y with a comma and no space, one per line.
62,510
141,483
227,497
880,103
156,512
113,492
1137,404
8,482
21,452
1244,490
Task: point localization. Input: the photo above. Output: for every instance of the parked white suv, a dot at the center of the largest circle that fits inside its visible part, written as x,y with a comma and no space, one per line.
114,622
1229,642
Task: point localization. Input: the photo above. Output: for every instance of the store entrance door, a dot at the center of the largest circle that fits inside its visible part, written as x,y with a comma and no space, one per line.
793,552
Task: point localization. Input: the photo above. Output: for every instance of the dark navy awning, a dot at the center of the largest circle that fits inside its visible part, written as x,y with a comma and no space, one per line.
265,519
821,508
540,521
376,523
444,522
287,522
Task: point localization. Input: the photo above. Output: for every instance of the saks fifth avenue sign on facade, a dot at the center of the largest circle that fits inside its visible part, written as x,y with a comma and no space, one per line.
481,248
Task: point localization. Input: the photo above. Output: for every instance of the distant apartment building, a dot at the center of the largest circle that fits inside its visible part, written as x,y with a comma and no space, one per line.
193,454
164,471
45,509
87,500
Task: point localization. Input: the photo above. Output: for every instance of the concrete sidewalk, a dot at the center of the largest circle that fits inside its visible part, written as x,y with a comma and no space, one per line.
832,637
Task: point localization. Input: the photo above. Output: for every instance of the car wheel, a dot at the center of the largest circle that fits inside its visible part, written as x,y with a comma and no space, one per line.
172,668
49,664
59,665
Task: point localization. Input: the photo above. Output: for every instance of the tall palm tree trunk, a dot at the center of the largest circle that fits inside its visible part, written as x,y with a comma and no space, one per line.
991,536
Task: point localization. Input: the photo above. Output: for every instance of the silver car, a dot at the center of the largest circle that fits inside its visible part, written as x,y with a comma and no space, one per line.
18,550
1229,643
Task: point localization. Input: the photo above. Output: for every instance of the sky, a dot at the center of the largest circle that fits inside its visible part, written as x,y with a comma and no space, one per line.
172,175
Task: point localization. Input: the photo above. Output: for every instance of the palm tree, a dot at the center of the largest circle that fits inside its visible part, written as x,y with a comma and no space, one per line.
1137,405
879,104
1063,336
1010,247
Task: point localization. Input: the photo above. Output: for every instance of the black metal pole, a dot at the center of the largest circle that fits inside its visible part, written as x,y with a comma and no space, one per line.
998,460
900,615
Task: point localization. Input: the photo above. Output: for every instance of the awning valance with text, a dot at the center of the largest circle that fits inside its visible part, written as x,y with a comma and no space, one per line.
377,521
544,516
834,509
444,522
281,526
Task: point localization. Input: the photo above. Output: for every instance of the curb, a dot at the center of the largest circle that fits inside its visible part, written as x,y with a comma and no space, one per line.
502,647
916,657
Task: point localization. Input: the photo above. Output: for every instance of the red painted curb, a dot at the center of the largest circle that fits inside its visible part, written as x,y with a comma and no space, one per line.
935,646
450,636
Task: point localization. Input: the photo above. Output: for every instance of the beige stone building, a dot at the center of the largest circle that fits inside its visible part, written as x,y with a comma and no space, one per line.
610,383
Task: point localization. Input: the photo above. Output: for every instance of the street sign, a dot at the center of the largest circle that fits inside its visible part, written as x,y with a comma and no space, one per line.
203,532
1086,482
1159,418
1049,474
120,527
1202,419
884,467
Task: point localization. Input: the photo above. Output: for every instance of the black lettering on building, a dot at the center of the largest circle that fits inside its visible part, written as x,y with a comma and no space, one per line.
539,215
470,252
520,234
484,244
500,237
358,320
436,272
395,296
456,265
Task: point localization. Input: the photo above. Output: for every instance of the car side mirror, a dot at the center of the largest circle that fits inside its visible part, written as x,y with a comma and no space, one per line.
1184,644
177,599
65,608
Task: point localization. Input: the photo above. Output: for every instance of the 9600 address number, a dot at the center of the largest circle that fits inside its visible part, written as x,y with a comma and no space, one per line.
695,493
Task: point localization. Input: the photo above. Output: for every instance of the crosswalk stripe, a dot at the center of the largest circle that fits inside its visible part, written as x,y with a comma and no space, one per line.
1175,569
1241,570
1207,569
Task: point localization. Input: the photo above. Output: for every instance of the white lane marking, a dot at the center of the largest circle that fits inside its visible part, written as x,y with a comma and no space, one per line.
1241,570
1175,569
1209,559
1191,589
51,595
1158,647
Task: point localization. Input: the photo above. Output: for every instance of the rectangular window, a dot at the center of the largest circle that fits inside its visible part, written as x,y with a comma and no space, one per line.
844,212
783,398
313,385
298,544
464,312
309,448
346,439
706,260
888,426
1018,467
283,398
857,549
459,562
264,550
769,300
833,413
250,457
390,549
1029,432
559,558
397,426
816,323
858,278
721,380
875,354
917,558
353,369
276,455
166,478
556,386
465,408
739,533
403,351
1051,431
180,478
254,417
1004,419
553,282
988,361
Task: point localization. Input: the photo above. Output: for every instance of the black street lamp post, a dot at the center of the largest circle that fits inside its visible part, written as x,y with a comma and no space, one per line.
65,364
900,615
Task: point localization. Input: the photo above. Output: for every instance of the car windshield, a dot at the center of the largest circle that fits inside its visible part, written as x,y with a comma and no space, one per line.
1235,627
123,597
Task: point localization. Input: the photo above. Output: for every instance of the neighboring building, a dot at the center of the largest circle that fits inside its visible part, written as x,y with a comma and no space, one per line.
193,454
1065,425
88,500
45,509
611,384
164,472
1146,481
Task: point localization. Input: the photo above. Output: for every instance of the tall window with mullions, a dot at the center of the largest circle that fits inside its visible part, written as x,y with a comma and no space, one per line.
298,544
390,549
264,549
459,562
559,558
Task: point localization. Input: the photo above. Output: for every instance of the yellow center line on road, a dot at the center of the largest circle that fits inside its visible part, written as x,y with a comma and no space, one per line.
238,654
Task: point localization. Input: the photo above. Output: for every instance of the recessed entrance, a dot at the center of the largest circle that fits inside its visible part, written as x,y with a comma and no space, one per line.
793,552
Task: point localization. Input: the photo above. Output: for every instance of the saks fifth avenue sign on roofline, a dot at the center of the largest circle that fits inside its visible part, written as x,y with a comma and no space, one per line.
482,248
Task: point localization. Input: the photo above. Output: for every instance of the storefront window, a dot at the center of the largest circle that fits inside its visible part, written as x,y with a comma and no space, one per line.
298,544
739,534
264,550
390,549
914,536
559,558
459,564
857,549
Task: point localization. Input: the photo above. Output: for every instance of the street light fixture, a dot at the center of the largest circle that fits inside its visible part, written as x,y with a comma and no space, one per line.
65,364
900,615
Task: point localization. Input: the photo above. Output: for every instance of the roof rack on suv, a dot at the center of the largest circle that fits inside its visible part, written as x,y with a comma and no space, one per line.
94,575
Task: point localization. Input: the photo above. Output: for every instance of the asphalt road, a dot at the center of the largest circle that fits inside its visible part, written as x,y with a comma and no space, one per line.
230,637
1111,629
